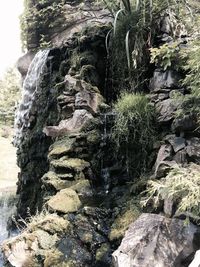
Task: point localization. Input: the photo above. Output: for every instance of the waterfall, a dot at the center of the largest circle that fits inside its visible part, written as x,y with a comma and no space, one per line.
8,208
25,114
107,119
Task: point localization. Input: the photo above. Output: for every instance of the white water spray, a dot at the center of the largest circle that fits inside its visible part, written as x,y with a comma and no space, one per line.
24,113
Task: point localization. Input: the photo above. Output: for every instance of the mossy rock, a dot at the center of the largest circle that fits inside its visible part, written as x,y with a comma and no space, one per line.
51,180
122,222
103,253
50,223
74,164
65,201
45,240
61,148
82,186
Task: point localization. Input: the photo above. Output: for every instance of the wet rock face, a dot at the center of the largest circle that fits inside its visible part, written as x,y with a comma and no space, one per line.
63,104
146,241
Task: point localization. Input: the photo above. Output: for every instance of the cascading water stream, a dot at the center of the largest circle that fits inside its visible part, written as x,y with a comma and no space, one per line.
105,171
8,208
25,113
23,118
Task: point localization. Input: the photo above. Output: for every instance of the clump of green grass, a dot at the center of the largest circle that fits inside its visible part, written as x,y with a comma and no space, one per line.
134,130
181,185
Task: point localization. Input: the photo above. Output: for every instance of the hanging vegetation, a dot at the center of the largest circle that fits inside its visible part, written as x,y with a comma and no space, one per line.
134,131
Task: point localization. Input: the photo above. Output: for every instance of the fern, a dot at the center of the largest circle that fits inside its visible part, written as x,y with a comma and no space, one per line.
182,185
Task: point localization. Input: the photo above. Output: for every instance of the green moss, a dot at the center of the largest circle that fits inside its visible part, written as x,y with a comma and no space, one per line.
75,164
102,252
61,147
123,221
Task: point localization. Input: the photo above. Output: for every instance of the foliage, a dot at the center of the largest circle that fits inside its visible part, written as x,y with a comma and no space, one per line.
38,18
182,185
9,94
134,130
134,28
9,88
190,58
165,55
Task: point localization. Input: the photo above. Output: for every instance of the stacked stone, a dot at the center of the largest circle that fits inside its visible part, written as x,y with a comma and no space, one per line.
180,144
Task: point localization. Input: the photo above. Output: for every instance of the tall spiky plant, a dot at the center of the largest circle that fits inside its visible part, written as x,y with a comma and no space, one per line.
132,35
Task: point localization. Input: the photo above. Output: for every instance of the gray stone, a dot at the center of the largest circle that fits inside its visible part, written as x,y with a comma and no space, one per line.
164,153
184,123
193,148
181,157
164,79
155,241
164,168
166,110
177,143
74,124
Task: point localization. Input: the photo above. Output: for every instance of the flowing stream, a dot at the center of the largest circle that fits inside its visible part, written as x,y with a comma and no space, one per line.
25,113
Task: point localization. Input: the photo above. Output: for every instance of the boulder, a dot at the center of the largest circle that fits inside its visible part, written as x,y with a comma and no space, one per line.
74,124
164,155
156,241
40,237
65,201
193,149
178,143
166,110
75,164
164,79
61,148
184,123
51,181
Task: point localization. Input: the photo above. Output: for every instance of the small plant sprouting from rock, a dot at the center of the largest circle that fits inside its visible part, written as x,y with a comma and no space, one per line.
165,55
181,185
134,131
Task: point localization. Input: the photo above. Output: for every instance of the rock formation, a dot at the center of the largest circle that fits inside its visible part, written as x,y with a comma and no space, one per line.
77,198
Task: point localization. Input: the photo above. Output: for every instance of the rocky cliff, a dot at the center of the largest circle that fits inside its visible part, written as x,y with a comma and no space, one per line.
77,195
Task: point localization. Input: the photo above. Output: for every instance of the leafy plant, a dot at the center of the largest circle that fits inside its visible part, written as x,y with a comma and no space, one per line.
190,60
134,27
38,18
181,185
134,130
190,103
165,55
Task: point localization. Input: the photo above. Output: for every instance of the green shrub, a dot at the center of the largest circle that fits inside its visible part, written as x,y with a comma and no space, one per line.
134,28
39,18
191,59
182,185
190,103
134,131
165,55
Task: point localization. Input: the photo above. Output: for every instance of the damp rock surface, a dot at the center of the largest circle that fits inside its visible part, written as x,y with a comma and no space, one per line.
146,241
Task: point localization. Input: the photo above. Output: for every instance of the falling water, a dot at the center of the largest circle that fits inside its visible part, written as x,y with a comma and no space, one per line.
8,208
24,113
106,135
